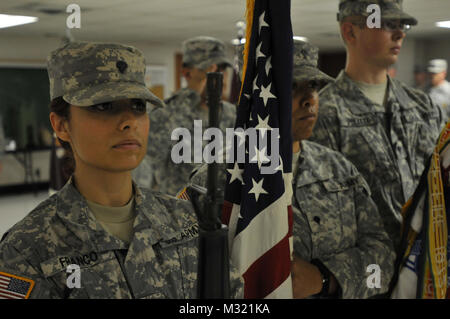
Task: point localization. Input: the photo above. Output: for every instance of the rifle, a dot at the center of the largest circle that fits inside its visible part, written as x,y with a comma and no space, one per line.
213,277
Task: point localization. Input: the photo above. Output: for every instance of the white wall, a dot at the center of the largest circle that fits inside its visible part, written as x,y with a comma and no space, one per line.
32,52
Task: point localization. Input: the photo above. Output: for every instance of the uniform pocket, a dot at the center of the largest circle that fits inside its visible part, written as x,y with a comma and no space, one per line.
327,205
100,278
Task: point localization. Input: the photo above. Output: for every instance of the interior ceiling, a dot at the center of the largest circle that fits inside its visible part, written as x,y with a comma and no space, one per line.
168,22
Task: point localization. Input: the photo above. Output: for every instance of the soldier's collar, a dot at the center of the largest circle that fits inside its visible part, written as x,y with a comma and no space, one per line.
72,208
309,167
396,94
348,87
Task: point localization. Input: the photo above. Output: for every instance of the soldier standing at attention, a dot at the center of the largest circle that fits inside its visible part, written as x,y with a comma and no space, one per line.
337,229
126,242
200,56
385,128
440,88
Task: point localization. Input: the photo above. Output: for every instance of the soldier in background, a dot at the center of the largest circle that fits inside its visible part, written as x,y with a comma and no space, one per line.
200,56
439,90
420,78
385,128
125,241
337,230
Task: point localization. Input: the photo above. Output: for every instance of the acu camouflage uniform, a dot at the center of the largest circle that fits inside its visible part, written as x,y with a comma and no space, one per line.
335,220
389,144
161,259
180,112
160,262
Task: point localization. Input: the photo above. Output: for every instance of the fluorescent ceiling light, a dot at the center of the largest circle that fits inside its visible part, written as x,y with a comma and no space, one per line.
301,38
7,20
443,24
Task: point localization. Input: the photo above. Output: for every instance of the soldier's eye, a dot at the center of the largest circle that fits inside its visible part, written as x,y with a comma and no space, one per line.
107,106
314,85
139,106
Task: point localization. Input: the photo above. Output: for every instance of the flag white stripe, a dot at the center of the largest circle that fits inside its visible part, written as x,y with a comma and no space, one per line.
232,225
283,291
253,242
11,294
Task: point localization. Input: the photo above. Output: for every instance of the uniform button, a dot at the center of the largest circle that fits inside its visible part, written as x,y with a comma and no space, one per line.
317,219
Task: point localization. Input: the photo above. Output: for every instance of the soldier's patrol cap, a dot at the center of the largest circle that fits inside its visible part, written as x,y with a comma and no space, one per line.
437,66
202,52
390,10
306,57
89,73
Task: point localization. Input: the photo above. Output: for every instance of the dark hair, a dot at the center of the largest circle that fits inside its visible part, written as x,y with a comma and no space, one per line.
61,108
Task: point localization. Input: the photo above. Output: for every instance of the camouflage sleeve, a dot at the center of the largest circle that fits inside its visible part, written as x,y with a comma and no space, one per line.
14,264
326,130
442,118
372,248
159,144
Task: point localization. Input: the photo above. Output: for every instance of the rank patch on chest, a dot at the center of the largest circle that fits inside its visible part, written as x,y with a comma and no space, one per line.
15,287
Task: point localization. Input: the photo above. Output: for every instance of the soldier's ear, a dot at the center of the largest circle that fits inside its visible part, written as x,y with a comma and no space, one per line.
61,127
186,72
347,31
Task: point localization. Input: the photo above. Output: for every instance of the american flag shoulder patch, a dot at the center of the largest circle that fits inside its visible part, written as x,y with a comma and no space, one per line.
15,287
183,194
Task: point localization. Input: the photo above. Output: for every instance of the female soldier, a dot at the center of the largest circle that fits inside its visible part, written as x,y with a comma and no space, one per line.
337,230
101,236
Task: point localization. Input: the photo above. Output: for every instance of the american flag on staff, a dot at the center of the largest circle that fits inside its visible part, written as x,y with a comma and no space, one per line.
13,287
257,206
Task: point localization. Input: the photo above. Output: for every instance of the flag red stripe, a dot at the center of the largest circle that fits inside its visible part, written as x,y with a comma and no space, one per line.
290,220
270,266
10,294
226,212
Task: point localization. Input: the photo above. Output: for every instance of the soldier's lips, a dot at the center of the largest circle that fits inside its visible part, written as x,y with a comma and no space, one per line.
127,145
396,49
307,118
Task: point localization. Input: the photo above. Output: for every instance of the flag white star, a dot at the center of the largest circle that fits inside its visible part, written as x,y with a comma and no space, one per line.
260,157
265,93
262,22
255,86
236,173
259,53
241,137
263,125
268,65
257,188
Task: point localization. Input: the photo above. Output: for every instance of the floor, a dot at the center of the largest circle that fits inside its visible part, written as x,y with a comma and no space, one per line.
15,207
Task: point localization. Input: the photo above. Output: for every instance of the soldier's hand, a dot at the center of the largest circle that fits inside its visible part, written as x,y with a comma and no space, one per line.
306,278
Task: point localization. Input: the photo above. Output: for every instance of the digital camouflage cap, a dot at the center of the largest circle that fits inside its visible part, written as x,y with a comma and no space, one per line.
202,52
88,73
390,10
306,57
305,68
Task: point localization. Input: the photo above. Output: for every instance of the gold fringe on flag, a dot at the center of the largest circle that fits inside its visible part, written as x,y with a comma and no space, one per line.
437,223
